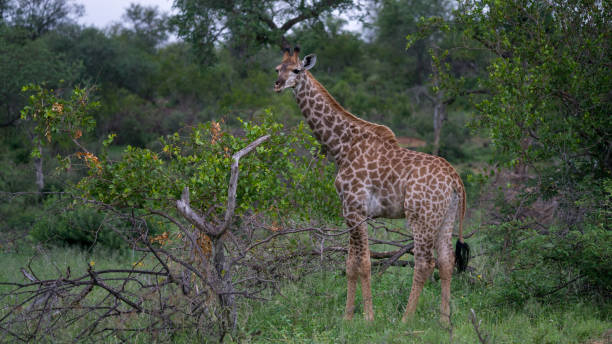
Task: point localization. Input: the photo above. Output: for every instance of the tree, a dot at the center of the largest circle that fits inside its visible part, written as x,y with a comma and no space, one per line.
40,16
23,63
412,63
56,118
23,56
186,183
397,18
544,98
549,84
5,6
145,25
244,24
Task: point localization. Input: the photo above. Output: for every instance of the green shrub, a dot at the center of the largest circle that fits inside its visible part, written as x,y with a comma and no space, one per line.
63,224
287,174
590,253
543,262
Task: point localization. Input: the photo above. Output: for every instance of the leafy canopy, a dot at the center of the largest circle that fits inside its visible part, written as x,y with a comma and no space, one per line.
56,117
545,97
246,24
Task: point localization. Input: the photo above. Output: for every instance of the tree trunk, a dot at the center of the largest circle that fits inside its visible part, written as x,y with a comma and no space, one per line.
38,165
439,118
225,288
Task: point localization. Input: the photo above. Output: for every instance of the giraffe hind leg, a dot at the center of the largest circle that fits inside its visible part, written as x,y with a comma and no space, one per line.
423,265
446,260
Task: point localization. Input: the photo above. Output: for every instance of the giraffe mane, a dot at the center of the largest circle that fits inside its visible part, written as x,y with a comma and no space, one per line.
381,131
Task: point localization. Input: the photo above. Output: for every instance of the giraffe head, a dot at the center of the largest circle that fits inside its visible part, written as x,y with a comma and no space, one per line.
291,68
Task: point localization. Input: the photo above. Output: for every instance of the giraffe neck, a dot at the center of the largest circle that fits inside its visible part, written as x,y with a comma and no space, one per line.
331,125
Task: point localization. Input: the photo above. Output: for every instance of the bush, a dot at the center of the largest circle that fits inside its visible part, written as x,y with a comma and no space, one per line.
542,262
65,224
288,173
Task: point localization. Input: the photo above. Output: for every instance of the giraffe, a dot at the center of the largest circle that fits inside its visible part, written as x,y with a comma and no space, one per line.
378,178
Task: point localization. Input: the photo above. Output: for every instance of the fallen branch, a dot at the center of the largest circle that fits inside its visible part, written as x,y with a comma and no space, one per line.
395,257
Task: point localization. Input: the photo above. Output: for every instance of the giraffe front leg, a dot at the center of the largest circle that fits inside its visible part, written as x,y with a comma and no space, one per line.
358,266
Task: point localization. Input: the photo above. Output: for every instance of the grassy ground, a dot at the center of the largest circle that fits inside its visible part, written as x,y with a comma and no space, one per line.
310,311
48,263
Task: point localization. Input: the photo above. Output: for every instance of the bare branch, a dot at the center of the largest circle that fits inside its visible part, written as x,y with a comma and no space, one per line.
184,208
482,338
233,184
395,257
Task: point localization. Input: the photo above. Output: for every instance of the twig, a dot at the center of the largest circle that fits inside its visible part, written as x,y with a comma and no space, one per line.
482,338
115,293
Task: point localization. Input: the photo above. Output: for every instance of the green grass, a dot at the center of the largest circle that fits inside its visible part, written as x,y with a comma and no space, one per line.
46,262
311,310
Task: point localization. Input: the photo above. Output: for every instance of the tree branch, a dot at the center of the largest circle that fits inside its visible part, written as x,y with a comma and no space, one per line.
309,13
395,257
482,338
233,184
184,207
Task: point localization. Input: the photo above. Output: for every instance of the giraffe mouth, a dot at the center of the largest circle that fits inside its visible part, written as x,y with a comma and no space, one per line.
277,88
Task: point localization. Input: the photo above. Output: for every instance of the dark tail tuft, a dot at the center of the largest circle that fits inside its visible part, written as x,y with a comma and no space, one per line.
462,255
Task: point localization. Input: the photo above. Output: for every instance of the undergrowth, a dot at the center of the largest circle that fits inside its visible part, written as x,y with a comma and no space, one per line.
311,312
311,309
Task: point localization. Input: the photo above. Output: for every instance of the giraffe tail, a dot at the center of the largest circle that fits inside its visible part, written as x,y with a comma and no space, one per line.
462,249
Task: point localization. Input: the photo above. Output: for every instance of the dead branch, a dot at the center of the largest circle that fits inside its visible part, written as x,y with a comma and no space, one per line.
482,338
395,257
233,184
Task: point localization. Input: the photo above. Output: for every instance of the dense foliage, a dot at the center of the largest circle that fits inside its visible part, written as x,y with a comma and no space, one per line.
548,85
246,25
547,106
287,173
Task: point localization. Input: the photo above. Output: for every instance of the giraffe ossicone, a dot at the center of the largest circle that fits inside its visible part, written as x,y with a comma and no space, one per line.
378,178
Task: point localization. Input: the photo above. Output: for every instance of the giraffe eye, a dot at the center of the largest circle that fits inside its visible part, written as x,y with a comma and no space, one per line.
296,71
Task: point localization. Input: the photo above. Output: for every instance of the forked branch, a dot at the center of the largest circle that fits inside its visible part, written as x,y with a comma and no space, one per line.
184,207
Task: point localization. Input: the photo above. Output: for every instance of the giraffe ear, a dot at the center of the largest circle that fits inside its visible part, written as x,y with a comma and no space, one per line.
309,61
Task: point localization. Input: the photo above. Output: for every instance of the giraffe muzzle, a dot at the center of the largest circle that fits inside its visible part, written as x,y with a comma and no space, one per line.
277,86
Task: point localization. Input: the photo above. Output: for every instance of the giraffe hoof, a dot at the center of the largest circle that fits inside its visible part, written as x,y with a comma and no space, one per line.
348,317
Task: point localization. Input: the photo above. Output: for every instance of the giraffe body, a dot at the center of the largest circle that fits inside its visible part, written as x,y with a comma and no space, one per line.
378,178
